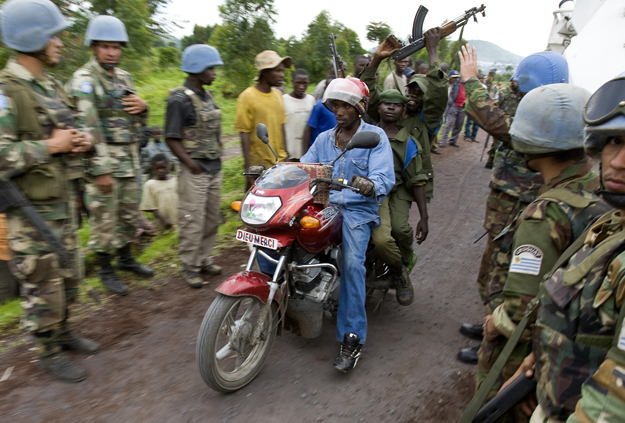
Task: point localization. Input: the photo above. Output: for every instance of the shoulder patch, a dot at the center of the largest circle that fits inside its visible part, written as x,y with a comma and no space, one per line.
4,101
85,87
526,259
621,340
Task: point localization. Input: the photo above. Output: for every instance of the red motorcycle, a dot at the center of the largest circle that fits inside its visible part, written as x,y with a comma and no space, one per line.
296,245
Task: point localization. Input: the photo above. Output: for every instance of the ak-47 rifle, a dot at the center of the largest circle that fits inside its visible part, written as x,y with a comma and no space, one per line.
417,40
337,61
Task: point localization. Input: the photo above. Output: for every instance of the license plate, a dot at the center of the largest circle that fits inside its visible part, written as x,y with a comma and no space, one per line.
261,241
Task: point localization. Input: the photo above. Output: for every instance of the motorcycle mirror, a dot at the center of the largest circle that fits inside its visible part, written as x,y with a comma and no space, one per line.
362,139
262,134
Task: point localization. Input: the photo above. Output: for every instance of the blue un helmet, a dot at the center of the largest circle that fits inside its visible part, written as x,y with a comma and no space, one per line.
539,69
28,25
106,28
549,120
198,57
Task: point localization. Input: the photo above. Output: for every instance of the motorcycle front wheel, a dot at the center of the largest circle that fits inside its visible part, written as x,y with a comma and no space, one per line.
231,348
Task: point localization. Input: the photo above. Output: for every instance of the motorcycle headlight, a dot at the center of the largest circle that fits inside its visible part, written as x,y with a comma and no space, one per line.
257,210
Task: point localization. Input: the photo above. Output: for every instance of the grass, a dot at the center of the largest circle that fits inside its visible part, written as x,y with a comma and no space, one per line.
10,313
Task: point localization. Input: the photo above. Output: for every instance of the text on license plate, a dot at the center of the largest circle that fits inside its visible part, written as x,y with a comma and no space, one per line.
261,241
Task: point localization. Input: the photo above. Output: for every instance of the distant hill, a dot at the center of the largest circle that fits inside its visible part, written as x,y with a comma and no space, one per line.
488,52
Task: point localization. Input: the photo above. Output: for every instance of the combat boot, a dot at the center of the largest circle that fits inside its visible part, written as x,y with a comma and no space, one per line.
61,367
211,269
127,262
68,340
108,277
404,291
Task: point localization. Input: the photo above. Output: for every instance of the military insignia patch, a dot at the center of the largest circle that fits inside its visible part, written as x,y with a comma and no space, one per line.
4,101
526,259
85,87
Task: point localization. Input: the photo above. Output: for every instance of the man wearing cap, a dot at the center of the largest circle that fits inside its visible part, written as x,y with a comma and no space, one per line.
427,97
394,237
106,102
262,103
193,133
455,115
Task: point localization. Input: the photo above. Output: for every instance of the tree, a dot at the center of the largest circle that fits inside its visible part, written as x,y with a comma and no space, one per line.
168,57
378,31
509,69
201,35
245,32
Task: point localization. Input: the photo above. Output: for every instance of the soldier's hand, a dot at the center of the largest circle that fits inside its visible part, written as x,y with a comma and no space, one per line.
422,230
432,38
468,63
61,141
104,183
364,184
82,142
529,403
386,49
134,104
196,169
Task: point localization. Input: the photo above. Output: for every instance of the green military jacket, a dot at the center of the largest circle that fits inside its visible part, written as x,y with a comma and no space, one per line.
579,336
419,124
97,96
509,174
408,160
30,109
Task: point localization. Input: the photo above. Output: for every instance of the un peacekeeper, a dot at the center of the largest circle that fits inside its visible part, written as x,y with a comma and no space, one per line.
567,203
107,105
427,95
508,101
40,151
578,341
513,185
394,237
193,133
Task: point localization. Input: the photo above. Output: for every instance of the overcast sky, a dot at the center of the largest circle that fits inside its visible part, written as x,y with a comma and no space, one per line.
521,27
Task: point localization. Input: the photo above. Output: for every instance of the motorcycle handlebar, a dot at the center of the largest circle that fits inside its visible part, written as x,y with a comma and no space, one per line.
336,184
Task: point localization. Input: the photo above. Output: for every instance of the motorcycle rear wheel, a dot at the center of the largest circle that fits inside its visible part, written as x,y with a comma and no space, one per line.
227,367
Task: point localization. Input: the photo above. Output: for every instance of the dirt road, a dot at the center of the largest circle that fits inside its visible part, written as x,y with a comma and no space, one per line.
146,371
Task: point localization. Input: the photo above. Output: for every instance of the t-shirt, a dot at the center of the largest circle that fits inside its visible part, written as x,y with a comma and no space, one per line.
254,107
297,114
319,90
320,120
389,83
161,196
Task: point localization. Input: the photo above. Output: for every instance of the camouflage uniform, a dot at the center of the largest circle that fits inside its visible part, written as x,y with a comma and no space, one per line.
394,237
114,217
579,336
542,232
30,109
422,124
198,128
513,185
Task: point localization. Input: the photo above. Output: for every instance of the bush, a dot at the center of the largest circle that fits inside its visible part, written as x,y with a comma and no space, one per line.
168,57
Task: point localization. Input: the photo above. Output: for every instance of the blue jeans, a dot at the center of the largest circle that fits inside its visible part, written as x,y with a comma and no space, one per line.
470,128
351,316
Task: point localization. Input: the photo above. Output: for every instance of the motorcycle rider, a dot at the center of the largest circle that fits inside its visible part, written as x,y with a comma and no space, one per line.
372,172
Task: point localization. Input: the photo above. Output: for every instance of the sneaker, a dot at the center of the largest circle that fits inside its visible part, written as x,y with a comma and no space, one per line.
453,144
212,269
61,367
467,139
193,279
436,152
349,354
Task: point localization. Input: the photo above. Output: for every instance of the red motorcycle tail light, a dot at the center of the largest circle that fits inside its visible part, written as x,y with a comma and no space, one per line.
309,222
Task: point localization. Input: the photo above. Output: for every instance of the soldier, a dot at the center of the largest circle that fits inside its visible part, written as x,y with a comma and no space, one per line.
513,185
427,95
40,152
193,133
394,237
566,204
578,341
107,104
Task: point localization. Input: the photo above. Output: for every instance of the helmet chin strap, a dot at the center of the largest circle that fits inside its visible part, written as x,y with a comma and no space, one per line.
614,199
108,66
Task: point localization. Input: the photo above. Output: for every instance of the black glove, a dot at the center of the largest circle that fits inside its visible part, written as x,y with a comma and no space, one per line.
364,184
257,169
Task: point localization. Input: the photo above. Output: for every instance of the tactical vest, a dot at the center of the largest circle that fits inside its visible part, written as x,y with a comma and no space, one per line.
202,140
119,126
37,115
575,324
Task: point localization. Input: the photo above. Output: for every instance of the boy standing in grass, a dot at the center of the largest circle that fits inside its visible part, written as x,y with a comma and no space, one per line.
298,106
160,194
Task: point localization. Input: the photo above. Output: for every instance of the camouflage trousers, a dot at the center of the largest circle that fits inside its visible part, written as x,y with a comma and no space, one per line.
394,237
48,285
198,217
113,217
539,417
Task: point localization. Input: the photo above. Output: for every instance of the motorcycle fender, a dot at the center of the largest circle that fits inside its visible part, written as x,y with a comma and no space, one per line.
249,283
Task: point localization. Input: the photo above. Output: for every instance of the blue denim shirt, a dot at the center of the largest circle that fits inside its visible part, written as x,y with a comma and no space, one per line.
376,164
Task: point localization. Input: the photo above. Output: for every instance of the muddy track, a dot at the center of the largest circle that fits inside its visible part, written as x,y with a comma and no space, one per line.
146,371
